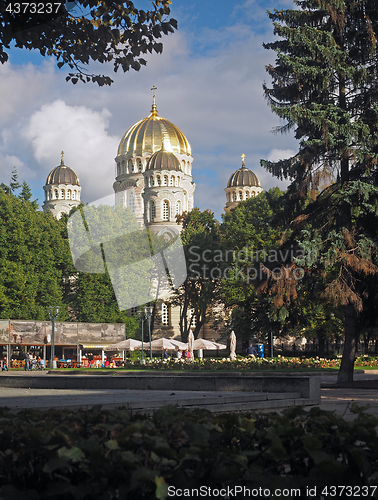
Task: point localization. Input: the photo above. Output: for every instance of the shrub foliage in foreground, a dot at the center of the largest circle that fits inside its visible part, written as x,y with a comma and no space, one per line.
108,454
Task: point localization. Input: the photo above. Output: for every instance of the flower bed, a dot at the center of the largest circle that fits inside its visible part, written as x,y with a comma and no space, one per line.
245,363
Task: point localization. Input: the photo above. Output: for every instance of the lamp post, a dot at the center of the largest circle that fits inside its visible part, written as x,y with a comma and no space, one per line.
53,314
141,317
148,310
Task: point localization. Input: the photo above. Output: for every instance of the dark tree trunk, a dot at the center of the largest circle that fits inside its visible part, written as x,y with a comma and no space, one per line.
321,340
347,362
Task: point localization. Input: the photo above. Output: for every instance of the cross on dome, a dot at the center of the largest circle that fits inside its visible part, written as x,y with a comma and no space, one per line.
62,158
243,158
153,109
153,88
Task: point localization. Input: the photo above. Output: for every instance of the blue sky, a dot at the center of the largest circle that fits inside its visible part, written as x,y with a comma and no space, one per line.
209,81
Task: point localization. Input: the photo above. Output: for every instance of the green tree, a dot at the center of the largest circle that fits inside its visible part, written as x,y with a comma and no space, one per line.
101,263
13,183
250,236
26,193
102,31
33,255
199,296
325,87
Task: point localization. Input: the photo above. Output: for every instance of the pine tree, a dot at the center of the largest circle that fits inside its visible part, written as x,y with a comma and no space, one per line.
325,88
14,184
26,193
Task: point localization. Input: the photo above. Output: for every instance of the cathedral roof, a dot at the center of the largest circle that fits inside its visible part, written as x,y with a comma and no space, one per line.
243,177
149,134
163,160
62,175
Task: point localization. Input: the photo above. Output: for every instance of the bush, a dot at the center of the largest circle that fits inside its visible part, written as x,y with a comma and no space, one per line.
109,454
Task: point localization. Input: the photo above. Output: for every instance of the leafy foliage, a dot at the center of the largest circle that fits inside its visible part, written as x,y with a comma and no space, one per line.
200,293
110,453
324,86
250,236
103,31
33,255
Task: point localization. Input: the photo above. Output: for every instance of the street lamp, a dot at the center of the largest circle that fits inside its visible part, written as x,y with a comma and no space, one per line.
141,317
53,314
148,310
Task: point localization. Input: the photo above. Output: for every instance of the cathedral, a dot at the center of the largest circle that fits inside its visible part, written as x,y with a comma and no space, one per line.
154,180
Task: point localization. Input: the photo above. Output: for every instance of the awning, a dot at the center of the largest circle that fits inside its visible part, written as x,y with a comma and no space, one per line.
94,346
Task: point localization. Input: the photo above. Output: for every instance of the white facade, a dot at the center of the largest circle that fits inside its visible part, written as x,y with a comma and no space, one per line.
156,195
62,191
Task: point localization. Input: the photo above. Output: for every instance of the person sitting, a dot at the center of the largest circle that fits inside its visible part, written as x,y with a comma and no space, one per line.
165,354
251,351
42,364
187,354
179,354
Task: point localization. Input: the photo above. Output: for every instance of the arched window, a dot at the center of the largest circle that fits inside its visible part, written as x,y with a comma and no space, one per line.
171,181
177,183
247,194
165,180
129,166
234,197
178,208
158,180
240,195
131,200
165,210
50,197
123,168
73,195
183,166
69,194
152,210
140,165
165,316
118,169
151,181
62,194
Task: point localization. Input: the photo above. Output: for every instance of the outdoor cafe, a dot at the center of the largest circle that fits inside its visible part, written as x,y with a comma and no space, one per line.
75,344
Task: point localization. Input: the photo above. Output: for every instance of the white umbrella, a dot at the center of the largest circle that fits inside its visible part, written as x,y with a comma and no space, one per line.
180,345
233,346
163,344
207,344
125,345
191,343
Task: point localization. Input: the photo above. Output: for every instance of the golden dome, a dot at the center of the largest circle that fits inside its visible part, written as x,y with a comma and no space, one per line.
148,135
62,175
243,177
163,160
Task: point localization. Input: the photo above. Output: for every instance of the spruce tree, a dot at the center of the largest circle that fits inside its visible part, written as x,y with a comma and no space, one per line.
325,88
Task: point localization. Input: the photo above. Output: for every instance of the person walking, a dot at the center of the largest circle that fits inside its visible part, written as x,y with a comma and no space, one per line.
27,362
251,351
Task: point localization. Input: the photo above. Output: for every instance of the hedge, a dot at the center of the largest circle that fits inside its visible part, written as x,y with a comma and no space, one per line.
114,454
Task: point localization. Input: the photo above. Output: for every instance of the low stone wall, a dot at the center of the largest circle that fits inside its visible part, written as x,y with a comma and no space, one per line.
307,386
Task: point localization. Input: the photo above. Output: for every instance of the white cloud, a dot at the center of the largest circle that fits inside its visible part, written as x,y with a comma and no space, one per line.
215,97
82,134
280,154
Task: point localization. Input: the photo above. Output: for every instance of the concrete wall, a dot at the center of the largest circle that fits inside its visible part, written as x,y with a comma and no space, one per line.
307,386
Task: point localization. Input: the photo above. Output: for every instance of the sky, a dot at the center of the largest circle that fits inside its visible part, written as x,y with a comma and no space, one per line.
209,79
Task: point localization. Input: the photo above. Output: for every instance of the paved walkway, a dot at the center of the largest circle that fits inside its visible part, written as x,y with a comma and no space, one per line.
338,400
